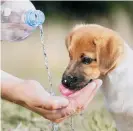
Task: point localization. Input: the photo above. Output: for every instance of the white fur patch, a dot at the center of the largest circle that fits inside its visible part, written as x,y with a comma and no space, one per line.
118,91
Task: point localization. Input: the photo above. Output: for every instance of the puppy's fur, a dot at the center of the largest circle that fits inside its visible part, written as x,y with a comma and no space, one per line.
96,51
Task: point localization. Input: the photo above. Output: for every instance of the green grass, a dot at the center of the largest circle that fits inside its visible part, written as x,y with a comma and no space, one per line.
95,118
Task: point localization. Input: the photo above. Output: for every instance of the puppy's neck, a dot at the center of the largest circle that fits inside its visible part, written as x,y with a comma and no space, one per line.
119,79
117,89
124,64
125,60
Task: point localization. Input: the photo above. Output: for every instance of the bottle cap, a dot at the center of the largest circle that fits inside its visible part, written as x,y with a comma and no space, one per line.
34,18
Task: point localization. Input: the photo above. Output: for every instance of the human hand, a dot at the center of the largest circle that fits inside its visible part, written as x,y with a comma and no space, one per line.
56,108
33,96
79,100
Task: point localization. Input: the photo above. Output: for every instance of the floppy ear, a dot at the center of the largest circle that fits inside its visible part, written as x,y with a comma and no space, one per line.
108,53
68,40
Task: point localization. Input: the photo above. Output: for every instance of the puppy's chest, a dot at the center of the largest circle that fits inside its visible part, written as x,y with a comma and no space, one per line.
118,91
120,105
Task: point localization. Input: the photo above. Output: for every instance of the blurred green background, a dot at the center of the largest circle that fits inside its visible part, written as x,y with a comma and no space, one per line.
25,59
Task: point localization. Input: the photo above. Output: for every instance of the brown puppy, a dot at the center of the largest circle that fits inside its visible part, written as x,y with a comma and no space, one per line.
94,51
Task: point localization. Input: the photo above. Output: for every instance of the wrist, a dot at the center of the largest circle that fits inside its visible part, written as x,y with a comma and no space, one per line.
10,90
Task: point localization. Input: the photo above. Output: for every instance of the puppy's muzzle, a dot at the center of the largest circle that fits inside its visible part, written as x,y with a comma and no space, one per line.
73,82
69,80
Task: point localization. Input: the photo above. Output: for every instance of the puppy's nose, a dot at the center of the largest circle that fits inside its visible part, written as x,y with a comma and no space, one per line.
69,80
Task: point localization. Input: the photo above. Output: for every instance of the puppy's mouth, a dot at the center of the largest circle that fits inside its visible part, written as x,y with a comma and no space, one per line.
66,91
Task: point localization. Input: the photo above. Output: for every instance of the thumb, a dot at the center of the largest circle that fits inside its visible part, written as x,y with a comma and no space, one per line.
80,99
98,83
83,97
87,90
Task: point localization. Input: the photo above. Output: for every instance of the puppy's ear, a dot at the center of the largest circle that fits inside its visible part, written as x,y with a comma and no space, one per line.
68,40
108,53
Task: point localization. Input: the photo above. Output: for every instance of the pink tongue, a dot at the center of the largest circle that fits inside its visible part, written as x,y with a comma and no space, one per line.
65,91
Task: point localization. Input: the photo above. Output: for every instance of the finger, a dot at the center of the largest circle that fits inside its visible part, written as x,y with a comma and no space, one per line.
55,102
80,99
76,103
52,115
60,120
57,116
90,99
52,102
47,113
88,89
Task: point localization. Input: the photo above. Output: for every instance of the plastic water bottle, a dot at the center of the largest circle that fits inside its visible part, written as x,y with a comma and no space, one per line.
19,19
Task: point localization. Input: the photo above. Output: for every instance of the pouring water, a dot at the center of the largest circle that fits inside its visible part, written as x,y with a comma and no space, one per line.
54,126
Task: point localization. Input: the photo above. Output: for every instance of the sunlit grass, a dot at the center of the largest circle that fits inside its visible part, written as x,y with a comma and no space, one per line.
95,118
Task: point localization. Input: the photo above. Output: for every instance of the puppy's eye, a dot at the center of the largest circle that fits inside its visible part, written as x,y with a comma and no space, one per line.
87,60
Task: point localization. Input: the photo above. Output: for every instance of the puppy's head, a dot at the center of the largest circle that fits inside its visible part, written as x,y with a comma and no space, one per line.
94,51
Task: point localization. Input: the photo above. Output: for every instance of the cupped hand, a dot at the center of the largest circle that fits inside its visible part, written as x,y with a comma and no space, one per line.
79,100
32,95
55,108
